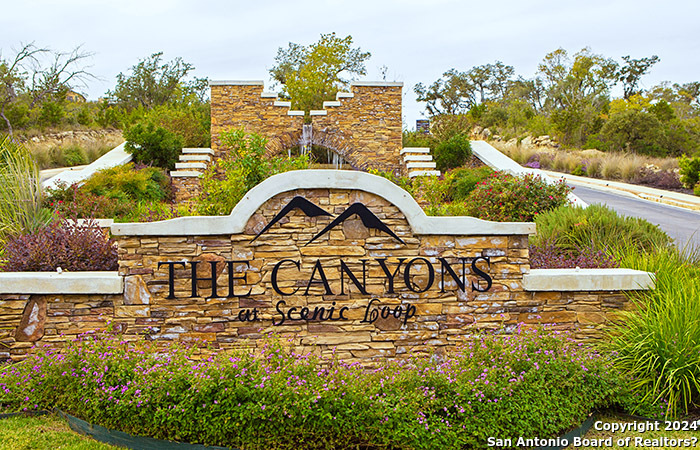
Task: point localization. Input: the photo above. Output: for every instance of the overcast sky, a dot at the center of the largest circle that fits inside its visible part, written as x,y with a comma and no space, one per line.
416,40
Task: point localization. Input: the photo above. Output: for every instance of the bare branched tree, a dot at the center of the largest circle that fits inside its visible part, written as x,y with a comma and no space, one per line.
13,74
66,71
26,73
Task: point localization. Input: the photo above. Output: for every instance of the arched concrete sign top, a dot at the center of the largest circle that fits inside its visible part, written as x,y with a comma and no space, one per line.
322,179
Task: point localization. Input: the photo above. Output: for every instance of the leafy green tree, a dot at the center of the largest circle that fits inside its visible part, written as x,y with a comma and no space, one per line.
636,131
689,92
530,91
313,74
570,83
153,82
577,92
456,92
632,71
452,94
13,79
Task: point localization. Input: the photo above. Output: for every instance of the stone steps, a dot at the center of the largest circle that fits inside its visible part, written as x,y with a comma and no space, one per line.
197,151
409,158
191,165
419,162
423,173
189,158
415,150
193,162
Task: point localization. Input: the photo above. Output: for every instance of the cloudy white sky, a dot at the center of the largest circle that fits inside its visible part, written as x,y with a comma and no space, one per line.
416,40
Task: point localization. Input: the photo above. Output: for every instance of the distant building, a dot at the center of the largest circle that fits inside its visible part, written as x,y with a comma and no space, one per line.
423,126
75,97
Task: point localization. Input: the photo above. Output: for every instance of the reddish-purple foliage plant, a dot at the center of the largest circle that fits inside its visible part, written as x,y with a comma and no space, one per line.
549,256
68,244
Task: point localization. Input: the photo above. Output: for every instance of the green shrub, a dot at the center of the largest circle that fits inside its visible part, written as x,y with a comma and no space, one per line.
529,382
578,171
418,139
463,181
658,342
74,156
635,131
153,145
448,209
504,197
191,123
452,152
410,185
71,201
227,180
433,191
597,227
84,116
696,189
51,114
128,182
689,170
109,116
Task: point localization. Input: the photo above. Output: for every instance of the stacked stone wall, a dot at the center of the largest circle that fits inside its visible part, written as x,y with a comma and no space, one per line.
366,128
363,126
244,106
442,316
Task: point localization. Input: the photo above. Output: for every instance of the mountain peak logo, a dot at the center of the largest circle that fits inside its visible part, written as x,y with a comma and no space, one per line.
369,219
299,203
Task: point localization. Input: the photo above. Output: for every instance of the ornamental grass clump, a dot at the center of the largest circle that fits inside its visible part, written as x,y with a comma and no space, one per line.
529,383
658,342
597,228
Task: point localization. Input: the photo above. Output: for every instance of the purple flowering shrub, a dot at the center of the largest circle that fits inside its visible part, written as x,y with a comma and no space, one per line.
68,244
530,382
547,255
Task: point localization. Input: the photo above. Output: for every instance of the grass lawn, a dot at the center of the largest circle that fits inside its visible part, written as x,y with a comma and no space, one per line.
44,433
52,432
651,435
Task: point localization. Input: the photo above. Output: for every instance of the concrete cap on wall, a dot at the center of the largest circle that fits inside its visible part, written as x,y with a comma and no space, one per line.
61,283
235,223
562,280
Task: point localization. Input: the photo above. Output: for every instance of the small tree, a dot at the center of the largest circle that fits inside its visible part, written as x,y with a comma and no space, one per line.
310,75
153,82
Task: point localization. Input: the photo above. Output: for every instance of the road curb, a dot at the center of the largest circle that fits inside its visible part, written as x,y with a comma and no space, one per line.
671,198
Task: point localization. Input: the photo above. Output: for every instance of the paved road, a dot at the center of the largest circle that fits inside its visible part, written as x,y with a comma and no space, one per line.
681,224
